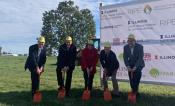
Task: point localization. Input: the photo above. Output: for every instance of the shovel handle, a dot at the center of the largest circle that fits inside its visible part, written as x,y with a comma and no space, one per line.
132,74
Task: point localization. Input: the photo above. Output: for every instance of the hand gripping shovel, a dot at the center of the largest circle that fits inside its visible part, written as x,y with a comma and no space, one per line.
37,97
86,92
62,92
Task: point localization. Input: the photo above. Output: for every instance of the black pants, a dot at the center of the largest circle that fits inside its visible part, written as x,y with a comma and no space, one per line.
88,81
35,78
135,80
60,79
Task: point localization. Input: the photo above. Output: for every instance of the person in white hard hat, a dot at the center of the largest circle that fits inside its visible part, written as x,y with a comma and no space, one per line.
35,63
89,59
133,59
66,62
110,66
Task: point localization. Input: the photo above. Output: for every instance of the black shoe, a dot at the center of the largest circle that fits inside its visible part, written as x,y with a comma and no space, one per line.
33,93
137,94
67,94
116,94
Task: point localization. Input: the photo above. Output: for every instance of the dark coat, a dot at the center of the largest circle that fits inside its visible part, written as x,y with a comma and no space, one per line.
66,57
33,60
109,62
135,59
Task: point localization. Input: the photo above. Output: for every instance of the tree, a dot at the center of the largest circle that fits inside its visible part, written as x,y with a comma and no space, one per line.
67,20
0,50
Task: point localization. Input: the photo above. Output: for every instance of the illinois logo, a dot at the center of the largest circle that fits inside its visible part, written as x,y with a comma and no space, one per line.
147,9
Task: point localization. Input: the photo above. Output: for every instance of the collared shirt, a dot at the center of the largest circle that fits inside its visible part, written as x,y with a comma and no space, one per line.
39,51
132,49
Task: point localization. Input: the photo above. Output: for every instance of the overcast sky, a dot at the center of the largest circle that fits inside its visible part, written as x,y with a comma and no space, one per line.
21,20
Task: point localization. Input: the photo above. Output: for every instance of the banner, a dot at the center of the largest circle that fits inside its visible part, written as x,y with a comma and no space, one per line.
153,24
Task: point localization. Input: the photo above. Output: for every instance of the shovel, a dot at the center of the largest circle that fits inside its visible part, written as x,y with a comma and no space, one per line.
132,74
86,92
86,95
107,93
132,97
62,92
37,97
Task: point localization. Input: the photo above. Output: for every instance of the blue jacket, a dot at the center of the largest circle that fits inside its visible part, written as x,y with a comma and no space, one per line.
33,60
66,57
135,59
109,62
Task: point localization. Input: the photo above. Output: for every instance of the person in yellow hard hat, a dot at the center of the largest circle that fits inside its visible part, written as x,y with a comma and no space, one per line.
110,66
133,59
66,62
35,62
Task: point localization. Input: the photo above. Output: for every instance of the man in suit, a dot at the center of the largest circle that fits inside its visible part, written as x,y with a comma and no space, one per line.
66,63
110,66
133,59
35,62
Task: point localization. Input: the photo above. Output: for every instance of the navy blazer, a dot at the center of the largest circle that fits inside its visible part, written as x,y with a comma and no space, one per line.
66,57
33,60
135,59
109,62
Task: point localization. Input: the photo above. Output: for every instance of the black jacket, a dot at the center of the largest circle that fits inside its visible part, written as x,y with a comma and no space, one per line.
135,59
109,62
33,60
66,57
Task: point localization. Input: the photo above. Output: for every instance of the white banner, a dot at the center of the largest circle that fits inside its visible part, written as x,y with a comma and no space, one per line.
153,24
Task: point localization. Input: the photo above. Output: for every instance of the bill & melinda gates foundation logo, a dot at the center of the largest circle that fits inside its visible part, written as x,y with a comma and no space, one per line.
147,9
154,72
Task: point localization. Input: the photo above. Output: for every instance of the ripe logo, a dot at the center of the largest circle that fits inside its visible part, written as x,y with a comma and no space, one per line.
147,9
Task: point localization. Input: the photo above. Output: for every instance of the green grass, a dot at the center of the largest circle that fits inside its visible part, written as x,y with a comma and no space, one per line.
15,87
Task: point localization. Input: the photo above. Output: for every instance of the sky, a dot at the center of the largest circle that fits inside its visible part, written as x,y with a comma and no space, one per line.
21,20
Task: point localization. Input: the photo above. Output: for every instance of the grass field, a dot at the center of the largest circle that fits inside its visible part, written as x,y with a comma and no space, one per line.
15,87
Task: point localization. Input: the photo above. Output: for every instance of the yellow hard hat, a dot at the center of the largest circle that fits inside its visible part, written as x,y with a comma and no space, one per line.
107,44
41,39
69,38
90,42
131,36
